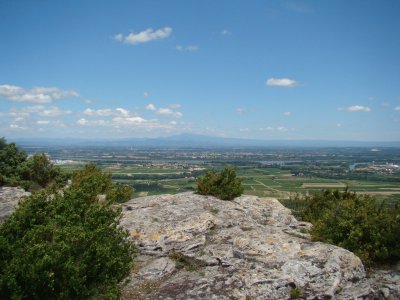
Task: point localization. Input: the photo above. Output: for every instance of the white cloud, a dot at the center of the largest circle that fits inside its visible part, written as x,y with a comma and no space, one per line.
355,108
118,121
282,82
35,95
397,108
226,32
123,112
282,129
173,123
151,107
168,112
270,128
244,129
165,111
82,122
144,36
287,113
241,111
41,110
146,94
42,122
98,112
16,126
189,48
53,111
339,125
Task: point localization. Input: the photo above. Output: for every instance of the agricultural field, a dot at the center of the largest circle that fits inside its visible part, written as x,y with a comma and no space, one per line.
280,173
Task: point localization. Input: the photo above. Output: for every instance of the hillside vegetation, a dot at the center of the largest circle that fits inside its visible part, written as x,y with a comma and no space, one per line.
32,173
62,244
355,222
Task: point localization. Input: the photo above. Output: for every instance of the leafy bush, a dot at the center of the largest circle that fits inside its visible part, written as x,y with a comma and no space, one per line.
354,222
94,181
65,245
31,173
224,185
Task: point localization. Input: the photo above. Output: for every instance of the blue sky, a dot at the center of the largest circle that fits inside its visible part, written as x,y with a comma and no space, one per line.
249,69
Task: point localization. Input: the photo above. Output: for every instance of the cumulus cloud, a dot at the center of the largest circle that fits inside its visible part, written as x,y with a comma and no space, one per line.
282,82
82,122
355,108
244,129
397,108
107,112
189,48
165,111
287,113
35,95
146,94
169,112
53,111
145,36
42,122
151,107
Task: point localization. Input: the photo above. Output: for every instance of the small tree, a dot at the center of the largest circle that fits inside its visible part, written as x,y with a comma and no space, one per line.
224,185
65,245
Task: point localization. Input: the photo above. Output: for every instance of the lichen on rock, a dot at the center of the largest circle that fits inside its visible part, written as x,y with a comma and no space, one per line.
249,247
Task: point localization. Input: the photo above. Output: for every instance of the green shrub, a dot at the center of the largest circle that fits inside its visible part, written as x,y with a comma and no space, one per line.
31,173
357,223
65,245
95,182
224,185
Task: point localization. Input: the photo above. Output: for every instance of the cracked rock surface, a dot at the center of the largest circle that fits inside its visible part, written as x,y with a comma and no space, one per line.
199,247
9,198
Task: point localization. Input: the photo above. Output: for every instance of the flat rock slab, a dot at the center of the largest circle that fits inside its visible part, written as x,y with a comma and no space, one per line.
199,247
9,198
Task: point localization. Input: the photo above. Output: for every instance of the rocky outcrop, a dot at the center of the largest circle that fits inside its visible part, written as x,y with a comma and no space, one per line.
198,247
9,198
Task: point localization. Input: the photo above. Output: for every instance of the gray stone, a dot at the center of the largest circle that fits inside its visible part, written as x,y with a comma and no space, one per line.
249,247
9,198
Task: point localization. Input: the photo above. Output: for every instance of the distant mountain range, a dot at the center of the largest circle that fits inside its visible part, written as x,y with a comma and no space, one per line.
198,141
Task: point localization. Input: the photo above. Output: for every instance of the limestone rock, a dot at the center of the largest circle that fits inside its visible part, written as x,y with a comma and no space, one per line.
9,198
199,247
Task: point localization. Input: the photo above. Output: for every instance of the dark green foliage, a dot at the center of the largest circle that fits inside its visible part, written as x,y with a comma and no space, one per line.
94,181
11,163
65,245
354,222
224,185
35,172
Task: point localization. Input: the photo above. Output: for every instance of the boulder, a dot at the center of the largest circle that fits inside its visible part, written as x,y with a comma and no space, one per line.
199,247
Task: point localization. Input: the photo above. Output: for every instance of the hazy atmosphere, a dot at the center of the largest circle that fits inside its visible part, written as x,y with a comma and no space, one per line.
287,70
